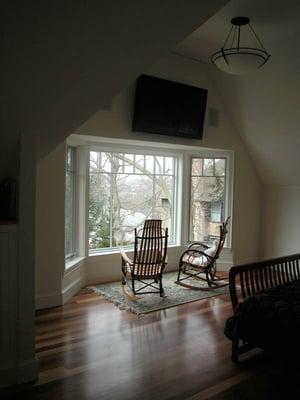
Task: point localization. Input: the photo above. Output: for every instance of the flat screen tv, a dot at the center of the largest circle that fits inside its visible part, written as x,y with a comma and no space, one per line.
169,108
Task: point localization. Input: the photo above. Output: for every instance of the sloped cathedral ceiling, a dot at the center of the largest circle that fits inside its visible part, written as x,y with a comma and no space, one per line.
62,60
265,109
264,106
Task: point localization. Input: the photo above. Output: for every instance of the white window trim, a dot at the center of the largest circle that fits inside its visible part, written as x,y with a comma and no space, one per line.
228,155
139,150
73,255
88,142
81,201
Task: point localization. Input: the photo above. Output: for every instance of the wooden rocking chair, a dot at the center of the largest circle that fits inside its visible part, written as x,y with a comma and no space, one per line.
149,259
199,260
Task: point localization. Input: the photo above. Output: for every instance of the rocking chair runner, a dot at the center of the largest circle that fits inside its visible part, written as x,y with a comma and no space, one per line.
199,259
150,251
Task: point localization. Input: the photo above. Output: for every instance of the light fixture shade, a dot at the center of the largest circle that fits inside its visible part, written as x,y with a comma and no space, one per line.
242,62
236,59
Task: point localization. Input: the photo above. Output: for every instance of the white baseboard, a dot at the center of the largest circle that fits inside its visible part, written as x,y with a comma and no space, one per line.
72,289
48,300
58,299
23,372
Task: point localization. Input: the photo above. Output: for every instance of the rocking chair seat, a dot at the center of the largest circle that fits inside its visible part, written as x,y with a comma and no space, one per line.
200,260
141,272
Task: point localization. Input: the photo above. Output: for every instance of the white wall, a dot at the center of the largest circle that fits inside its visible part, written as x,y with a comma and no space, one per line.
280,221
50,224
53,285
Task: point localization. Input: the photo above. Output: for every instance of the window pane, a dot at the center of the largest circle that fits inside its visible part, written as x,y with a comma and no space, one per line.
128,162
123,198
159,165
139,163
216,211
163,202
149,164
207,199
99,211
197,164
208,167
68,216
105,162
94,161
132,199
169,165
220,166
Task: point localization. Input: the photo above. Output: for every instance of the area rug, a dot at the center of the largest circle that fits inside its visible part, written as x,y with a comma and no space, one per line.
175,294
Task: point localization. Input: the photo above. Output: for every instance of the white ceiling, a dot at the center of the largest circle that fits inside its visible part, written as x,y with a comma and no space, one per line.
264,106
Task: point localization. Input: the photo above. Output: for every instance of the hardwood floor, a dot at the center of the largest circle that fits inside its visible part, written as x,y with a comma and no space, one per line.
89,349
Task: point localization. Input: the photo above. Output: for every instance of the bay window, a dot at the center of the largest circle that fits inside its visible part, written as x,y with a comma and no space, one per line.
121,185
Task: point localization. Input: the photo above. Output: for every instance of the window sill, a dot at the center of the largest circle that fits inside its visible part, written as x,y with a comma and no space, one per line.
73,264
116,251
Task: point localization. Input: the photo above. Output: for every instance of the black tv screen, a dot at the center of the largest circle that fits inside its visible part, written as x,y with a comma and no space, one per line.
169,108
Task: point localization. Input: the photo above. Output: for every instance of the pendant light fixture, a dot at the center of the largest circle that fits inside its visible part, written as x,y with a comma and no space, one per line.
236,57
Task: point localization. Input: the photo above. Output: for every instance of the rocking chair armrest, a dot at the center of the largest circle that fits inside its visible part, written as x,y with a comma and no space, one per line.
125,256
192,253
198,244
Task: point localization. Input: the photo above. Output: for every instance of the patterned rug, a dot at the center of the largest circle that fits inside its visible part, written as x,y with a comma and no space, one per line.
175,294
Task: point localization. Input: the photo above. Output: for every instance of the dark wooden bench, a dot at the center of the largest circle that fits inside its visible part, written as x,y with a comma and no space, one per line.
250,279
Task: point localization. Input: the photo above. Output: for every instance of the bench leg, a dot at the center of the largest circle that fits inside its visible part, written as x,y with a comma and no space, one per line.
235,350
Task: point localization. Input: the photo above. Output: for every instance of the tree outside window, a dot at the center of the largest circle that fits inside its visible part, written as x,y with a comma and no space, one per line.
207,197
125,189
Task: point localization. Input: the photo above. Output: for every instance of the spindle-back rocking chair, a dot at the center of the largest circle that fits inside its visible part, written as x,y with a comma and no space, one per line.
199,260
149,259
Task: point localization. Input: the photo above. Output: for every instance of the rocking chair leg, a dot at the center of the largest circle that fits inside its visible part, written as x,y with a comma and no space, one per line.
161,289
132,283
123,273
179,272
208,278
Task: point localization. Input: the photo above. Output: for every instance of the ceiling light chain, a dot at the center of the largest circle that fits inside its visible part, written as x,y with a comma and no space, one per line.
258,39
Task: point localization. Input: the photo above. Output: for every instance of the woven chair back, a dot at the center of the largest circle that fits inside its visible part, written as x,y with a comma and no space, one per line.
150,249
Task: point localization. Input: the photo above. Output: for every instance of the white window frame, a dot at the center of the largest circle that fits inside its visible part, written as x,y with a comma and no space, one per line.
73,254
228,195
147,151
184,153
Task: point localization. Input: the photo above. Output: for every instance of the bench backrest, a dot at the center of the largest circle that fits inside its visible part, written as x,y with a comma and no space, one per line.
256,277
